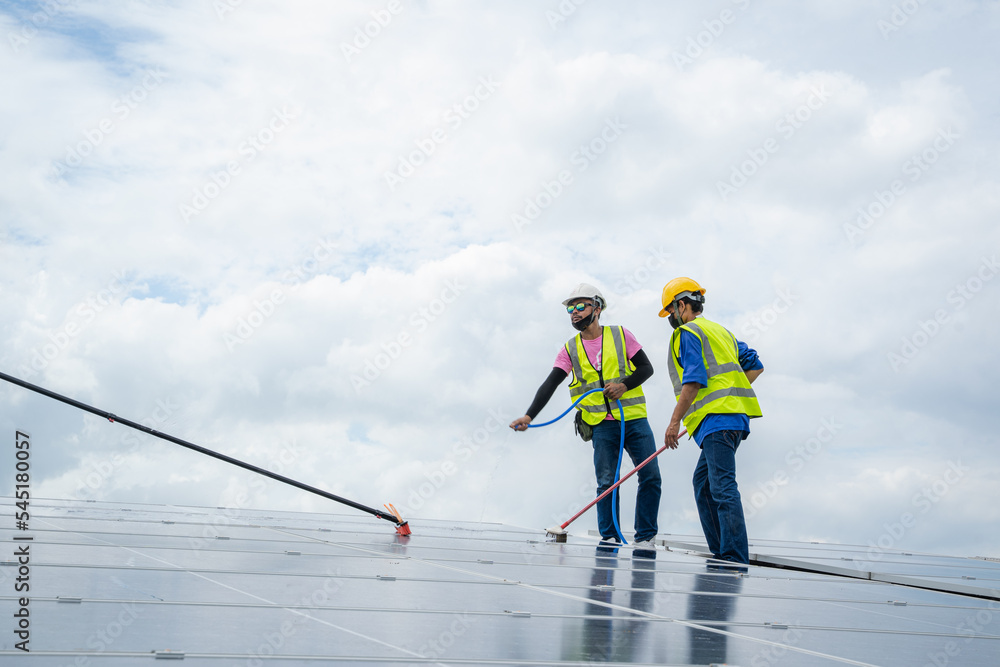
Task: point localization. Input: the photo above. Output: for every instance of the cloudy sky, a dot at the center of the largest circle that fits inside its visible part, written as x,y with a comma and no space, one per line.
332,239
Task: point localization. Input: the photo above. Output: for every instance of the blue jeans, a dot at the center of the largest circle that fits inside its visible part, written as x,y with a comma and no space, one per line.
639,444
718,498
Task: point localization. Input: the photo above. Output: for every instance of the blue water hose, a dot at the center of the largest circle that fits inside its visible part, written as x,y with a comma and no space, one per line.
621,452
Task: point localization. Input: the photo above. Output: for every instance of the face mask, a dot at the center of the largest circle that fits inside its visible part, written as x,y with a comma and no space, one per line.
585,322
674,322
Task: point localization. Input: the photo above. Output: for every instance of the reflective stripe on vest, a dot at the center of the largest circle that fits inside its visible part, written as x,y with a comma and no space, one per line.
586,377
728,390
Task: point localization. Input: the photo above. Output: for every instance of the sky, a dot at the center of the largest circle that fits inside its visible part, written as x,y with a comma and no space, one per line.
332,240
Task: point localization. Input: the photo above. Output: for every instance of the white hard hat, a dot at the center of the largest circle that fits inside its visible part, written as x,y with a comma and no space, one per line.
586,291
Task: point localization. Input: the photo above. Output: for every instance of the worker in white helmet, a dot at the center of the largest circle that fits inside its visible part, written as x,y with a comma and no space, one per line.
607,357
711,372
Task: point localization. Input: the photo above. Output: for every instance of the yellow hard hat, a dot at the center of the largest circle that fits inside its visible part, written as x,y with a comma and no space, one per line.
679,288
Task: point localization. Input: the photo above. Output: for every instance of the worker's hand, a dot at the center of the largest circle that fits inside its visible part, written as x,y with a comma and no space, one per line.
521,423
615,390
670,437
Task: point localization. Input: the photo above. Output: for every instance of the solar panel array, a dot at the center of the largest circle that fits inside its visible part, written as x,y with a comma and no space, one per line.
123,584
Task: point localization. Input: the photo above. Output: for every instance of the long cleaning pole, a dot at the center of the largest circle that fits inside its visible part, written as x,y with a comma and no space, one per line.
401,526
612,487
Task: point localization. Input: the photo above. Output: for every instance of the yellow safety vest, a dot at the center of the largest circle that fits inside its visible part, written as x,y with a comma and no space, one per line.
614,362
728,390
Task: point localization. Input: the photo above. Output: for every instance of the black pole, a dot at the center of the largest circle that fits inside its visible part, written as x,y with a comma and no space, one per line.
190,445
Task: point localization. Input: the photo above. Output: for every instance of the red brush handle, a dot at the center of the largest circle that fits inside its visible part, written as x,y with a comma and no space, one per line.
618,483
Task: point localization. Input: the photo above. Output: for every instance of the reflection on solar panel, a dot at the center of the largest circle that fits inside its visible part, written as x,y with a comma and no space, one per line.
239,587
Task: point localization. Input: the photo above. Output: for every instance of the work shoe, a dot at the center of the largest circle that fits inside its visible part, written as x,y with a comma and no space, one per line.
645,545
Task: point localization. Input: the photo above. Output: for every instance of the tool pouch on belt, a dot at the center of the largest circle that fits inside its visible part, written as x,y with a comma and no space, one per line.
582,428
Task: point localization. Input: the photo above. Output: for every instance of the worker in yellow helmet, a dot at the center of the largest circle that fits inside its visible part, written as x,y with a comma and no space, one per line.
711,372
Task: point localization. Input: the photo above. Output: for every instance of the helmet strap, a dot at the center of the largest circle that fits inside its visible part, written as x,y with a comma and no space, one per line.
582,324
673,318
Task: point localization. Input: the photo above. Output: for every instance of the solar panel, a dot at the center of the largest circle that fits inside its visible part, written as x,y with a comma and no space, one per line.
978,577
229,586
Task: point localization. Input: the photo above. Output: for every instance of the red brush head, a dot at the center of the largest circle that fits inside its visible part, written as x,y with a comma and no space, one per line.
403,528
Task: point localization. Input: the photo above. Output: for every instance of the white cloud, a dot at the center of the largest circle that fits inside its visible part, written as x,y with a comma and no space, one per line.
303,269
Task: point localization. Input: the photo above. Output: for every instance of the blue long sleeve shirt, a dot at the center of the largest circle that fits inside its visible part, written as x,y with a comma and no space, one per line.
693,363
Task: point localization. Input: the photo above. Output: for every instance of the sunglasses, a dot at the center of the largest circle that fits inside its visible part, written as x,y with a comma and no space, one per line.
578,307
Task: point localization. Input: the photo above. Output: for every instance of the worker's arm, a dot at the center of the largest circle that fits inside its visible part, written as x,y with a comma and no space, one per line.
749,361
695,377
542,396
688,392
643,371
